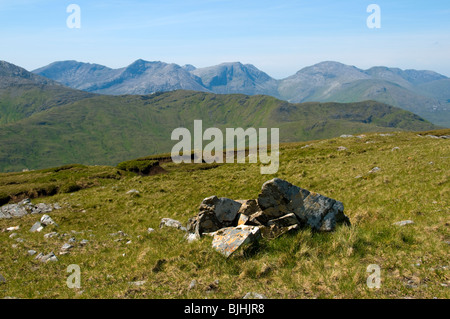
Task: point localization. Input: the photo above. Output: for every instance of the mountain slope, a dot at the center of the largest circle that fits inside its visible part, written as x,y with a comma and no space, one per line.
116,252
23,93
140,77
236,77
110,129
426,93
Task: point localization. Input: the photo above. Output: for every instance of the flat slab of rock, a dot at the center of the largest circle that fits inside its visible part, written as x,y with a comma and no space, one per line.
228,240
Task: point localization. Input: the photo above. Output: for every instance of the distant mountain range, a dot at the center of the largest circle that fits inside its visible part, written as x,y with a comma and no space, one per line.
46,124
425,93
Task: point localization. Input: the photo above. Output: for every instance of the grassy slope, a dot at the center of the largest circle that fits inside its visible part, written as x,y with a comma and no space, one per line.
23,100
413,183
393,94
109,129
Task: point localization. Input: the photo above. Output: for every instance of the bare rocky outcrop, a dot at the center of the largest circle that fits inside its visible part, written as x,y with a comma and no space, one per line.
25,207
281,207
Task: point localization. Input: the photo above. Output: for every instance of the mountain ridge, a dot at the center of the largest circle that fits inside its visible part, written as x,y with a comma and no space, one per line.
424,92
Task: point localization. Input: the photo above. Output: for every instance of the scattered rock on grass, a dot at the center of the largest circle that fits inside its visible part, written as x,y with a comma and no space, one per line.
31,252
169,222
47,220
25,207
403,223
37,227
46,258
375,169
254,295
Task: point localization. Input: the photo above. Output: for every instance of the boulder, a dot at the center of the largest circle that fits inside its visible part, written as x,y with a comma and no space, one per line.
279,197
215,213
249,207
224,209
228,240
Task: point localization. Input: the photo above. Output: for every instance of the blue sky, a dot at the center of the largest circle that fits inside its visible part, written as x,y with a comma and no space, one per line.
279,37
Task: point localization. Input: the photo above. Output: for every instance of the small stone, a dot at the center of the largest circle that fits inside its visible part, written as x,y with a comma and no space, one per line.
169,222
37,227
138,283
375,169
47,220
193,284
47,258
342,148
84,242
403,223
254,295
191,237
50,235
66,247
150,230
13,228
2,279
13,235
31,252
133,191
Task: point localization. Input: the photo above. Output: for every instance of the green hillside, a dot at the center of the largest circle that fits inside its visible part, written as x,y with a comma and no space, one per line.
23,94
121,259
396,95
105,130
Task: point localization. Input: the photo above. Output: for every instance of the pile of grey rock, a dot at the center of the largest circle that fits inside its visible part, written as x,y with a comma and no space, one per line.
25,207
280,207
